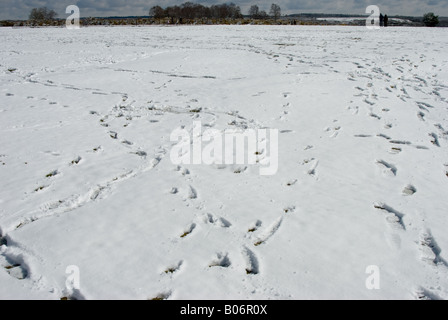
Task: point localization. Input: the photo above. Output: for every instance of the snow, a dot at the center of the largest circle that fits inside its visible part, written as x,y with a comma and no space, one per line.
87,180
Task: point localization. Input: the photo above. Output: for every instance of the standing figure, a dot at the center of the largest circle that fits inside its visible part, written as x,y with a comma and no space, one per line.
386,20
381,20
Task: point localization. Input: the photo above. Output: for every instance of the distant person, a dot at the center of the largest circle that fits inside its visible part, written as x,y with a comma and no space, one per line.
381,20
386,20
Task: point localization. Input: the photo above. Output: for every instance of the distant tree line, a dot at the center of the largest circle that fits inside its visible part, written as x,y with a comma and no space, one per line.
190,10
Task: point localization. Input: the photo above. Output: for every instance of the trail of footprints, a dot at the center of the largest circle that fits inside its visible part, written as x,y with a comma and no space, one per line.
397,221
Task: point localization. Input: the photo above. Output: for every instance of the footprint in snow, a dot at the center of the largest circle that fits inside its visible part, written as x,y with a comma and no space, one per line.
251,261
268,232
188,230
313,166
254,227
333,132
435,139
173,268
14,267
220,222
221,260
409,190
431,252
424,294
182,170
162,296
387,168
393,217
76,161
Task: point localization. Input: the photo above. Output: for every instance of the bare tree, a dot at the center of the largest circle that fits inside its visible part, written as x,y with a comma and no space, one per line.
263,14
157,12
254,12
276,11
42,14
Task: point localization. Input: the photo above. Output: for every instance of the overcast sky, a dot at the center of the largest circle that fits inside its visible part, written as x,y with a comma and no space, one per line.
19,9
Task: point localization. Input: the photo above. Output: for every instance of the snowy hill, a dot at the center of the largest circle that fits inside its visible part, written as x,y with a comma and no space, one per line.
92,205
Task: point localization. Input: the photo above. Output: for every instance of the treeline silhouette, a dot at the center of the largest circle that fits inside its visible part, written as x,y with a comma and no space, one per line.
190,11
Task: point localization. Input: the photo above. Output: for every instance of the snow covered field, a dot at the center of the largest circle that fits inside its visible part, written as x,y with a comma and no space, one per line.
357,209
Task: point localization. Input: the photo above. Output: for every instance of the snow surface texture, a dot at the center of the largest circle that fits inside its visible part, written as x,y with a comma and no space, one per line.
87,182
